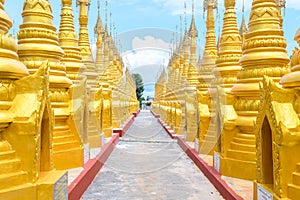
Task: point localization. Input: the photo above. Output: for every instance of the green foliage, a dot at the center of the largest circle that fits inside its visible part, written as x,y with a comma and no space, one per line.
139,87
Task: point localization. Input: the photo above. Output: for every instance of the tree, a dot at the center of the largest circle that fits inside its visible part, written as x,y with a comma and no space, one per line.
139,87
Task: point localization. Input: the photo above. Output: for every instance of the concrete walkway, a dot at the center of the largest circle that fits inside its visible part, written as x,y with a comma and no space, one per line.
147,164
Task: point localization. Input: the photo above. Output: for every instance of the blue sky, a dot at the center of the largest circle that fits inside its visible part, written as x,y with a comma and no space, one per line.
136,14
133,16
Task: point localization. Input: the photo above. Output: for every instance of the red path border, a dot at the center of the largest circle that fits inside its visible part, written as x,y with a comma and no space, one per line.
93,166
213,176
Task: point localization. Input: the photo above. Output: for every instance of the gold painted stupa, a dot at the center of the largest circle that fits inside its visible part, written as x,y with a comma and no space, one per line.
277,135
26,137
261,57
38,44
94,129
206,76
72,60
227,68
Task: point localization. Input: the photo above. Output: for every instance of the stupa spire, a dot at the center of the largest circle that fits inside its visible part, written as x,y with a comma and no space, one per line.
68,41
99,28
210,49
84,43
99,32
193,34
230,51
243,28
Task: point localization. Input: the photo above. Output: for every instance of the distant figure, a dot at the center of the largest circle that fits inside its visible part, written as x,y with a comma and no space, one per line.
148,105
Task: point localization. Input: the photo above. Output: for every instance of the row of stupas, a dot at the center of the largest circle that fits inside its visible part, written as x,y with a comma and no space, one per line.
242,105
57,102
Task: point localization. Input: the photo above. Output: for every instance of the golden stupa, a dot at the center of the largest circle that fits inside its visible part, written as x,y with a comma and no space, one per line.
27,119
277,134
261,57
38,43
206,76
94,129
227,68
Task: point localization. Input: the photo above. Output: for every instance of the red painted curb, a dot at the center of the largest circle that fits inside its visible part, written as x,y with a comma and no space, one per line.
154,114
118,131
213,176
135,114
121,131
128,125
91,169
171,134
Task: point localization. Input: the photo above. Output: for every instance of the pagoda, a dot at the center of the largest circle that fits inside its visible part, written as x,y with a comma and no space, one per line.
262,56
39,43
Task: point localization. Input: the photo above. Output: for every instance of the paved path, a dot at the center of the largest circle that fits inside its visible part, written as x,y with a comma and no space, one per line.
147,164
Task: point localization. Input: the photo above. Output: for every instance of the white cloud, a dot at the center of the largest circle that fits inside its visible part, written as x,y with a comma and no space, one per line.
147,51
149,42
144,57
293,4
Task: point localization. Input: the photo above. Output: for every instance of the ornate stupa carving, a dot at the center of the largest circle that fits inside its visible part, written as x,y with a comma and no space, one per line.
264,54
205,77
191,75
110,77
38,43
99,32
181,65
74,66
11,70
93,127
230,52
210,50
225,72
103,81
112,68
84,45
26,124
68,42
173,96
185,57
170,96
227,68
277,134
182,44
243,27
192,70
